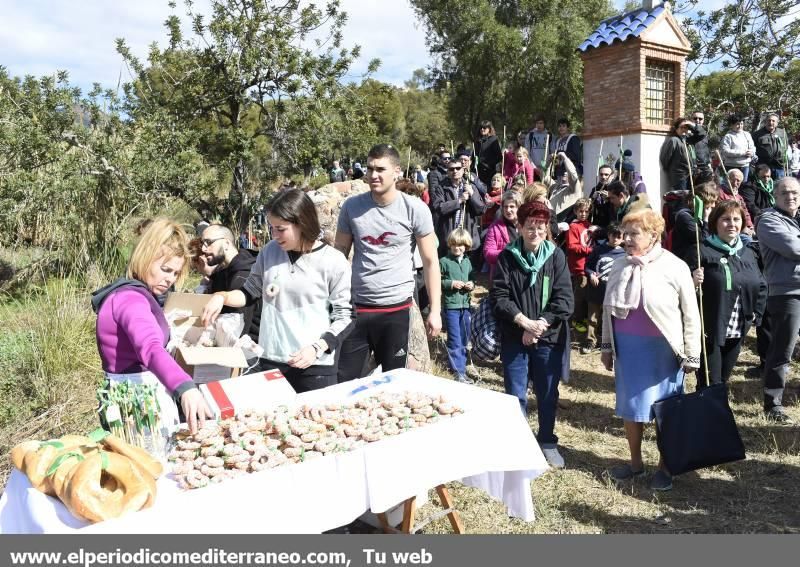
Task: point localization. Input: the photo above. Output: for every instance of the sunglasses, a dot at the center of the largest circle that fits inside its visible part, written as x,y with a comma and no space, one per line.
454,168
448,158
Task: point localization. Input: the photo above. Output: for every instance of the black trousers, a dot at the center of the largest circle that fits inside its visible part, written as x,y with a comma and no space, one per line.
785,313
721,360
382,333
763,336
300,380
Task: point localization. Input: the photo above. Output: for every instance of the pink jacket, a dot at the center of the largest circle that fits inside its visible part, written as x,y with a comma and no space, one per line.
131,336
496,240
511,169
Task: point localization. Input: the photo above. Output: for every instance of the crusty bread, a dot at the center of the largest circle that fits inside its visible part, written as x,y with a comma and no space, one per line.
98,494
136,454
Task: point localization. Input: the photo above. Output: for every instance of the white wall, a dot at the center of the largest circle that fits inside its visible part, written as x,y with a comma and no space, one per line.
645,148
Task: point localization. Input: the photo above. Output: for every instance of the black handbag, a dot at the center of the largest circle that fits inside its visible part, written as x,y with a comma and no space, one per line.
697,430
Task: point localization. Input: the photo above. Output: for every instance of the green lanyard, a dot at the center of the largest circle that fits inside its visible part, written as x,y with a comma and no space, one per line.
545,291
728,276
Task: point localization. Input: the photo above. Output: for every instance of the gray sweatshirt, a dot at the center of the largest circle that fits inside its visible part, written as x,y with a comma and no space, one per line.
734,148
779,241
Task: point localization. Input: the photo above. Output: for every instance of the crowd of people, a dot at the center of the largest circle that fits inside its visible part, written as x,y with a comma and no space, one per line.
605,271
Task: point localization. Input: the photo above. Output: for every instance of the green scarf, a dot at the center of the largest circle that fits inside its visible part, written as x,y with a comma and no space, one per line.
716,242
623,210
720,244
768,189
531,262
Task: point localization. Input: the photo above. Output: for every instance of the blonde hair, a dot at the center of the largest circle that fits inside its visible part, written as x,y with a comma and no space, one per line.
163,238
498,177
524,151
648,219
459,237
582,203
534,191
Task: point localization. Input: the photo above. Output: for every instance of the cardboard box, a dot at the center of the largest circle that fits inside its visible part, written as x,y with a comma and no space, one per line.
259,391
203,364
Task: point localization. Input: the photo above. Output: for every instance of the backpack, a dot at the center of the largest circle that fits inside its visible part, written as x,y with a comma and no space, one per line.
485,333
674,202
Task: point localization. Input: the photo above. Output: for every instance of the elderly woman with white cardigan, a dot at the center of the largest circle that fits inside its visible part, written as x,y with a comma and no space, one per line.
651,333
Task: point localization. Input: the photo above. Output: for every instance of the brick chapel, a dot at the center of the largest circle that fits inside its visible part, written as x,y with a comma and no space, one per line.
634,68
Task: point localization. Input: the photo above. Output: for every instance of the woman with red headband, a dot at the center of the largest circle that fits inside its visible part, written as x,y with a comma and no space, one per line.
532,299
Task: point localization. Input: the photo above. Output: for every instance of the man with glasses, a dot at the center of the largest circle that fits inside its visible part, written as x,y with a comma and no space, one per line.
457,202
698,141
232,269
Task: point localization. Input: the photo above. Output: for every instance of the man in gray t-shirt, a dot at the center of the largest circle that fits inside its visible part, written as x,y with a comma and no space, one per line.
384,226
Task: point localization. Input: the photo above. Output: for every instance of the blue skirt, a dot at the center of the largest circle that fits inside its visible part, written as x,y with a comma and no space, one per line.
646,371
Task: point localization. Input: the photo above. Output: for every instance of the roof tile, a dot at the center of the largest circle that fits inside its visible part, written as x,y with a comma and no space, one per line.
621,28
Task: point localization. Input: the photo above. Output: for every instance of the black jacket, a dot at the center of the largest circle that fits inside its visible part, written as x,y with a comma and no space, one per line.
445,205
233,277
602,211
673,156
511,294
487,148
755,198
746,282
684,235
770,148
699,139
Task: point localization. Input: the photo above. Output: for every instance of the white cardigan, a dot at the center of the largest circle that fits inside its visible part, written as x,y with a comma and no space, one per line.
670,302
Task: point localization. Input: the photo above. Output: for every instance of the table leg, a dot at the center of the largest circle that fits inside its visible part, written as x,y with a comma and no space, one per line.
447,504
387,529
409,511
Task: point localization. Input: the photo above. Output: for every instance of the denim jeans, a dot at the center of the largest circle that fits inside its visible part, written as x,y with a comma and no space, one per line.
458,325
542,364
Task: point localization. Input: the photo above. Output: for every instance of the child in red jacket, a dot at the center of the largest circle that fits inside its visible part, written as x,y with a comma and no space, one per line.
579,246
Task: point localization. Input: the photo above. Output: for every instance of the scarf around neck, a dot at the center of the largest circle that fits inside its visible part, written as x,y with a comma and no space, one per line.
723,246
767,188
531,262
626,294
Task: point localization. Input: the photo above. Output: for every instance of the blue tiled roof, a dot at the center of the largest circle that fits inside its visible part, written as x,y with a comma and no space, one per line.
620,28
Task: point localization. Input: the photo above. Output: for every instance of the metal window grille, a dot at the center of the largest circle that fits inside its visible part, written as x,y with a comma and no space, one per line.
659,91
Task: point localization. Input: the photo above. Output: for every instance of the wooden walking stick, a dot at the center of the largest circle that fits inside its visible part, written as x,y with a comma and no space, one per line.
621,157
700,289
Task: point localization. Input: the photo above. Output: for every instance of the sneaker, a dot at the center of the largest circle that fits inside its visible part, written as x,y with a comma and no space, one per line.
624,472
463,379
778,415
554,458
661,481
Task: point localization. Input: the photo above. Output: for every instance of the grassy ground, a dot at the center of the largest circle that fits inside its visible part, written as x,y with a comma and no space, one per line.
49,369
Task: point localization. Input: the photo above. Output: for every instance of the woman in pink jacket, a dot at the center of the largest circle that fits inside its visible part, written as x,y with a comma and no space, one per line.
502,231
132,332
516,164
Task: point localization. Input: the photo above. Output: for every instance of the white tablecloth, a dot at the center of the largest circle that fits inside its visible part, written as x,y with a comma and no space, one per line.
490,447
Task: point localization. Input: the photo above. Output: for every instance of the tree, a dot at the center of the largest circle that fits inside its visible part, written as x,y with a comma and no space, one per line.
506,60
247,81
757,43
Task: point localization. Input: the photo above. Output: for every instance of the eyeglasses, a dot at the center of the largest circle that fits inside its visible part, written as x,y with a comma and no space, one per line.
206,242
454,168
